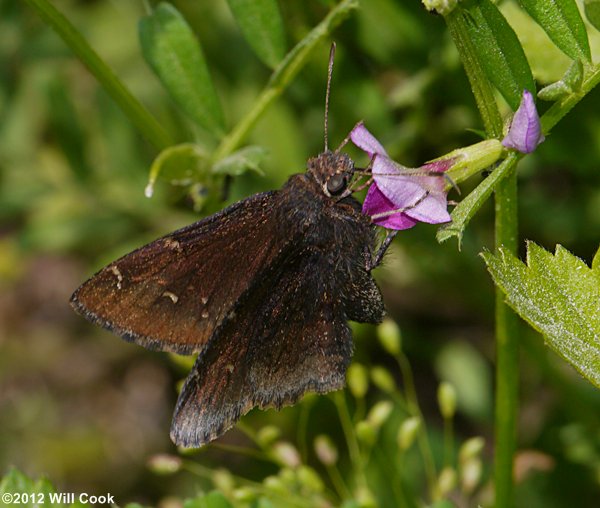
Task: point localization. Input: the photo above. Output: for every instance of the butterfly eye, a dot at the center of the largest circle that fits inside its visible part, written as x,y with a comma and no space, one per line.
336,184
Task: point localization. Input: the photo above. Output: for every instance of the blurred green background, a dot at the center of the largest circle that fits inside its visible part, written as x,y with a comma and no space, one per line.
88,410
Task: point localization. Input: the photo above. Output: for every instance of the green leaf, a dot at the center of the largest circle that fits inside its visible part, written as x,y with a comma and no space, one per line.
592,12
283,75
459,21
172,50
135,111
14,481
546,60
561,20
499,51
554,91
241,161
596,261
43,486
182,164
213,499
560,297
570,82
261,24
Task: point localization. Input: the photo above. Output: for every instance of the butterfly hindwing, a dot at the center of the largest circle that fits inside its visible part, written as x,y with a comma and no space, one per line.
171,294
287,337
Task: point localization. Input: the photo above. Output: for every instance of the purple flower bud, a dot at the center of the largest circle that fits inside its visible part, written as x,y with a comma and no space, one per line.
400,196
525,132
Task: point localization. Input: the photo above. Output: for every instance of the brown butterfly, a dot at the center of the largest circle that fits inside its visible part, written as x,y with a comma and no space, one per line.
262,291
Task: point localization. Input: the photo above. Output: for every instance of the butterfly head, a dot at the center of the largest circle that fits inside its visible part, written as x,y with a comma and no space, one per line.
332,171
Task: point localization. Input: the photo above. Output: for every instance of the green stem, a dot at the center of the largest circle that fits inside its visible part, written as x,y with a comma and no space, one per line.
140,117
391,468
339,398
448,442
243,450
338,483
506,231
282,76
507,352
302,430
413,405
248,431
561,107
468,207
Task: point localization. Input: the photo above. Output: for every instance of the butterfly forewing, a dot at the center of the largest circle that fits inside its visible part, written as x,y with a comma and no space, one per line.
171,294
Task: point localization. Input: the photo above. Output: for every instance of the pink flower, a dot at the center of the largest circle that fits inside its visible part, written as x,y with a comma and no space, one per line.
399,196
525,132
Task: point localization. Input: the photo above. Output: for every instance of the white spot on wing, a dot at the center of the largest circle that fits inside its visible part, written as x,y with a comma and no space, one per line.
117,273
174,298
170,243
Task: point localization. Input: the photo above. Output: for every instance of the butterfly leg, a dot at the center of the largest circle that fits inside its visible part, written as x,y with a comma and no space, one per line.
378,258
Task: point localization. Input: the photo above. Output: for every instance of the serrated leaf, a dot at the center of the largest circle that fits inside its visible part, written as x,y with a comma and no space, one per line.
561,20
559,295
592,12
182,164
174,53
261,24
500,52
238,163
596,261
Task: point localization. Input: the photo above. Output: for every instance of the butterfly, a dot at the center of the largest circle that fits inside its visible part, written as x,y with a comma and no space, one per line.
262,291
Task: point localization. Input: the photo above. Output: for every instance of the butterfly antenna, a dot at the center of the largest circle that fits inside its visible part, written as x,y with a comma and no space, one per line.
329,74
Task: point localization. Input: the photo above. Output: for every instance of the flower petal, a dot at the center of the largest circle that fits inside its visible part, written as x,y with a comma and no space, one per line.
404,190
364,140
421,197
433,210
525,132
376,203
